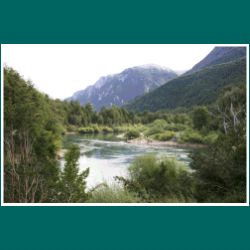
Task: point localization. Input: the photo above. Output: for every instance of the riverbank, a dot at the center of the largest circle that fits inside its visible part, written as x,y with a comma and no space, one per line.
141,141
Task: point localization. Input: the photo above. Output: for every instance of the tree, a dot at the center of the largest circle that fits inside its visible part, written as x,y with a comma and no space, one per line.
72,184
200,117
30,142
221,168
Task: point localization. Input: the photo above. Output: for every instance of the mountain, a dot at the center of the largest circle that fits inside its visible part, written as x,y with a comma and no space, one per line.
198,88
219,55
119,89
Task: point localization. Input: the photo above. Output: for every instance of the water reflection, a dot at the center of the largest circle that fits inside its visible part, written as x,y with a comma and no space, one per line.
107,156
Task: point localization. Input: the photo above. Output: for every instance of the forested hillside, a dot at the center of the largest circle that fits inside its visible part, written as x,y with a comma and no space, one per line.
199,88
219,55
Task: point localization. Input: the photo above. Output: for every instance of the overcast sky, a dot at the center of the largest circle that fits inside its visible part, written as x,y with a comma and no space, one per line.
61,70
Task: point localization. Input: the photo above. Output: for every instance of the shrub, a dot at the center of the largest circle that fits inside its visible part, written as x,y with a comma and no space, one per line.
156,127
191,136
132,134
159,179
71,128
95,128
176,127
86,130
166,136
107,129
160,123
211,138
153,131
111,194
119,129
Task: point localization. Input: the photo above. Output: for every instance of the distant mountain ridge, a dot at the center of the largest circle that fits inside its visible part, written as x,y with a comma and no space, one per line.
119,89
220,54
201,85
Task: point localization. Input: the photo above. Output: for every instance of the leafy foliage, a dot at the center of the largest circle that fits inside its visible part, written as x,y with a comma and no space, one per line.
132,134
221,168
31,139
200,117
72,185
155,179
111,194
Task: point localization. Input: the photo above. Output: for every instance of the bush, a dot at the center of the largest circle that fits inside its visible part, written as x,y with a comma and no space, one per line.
156,127
132,134
111,194
166,136
191,136
211,138
107,129
221,170
120,129
153,131
176,127
157,180
160,123
95,129
86,130
71,128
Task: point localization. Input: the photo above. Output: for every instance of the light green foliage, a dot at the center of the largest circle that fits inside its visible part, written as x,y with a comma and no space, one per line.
191,136
176,127
165,136
87,130
156,127
211,137
132,134
194,136
111,194
72,184
155,180
95,129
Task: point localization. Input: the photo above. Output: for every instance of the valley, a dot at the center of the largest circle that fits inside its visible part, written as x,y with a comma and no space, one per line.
145,135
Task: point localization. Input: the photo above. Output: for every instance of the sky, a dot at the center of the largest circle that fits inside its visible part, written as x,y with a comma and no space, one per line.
59,70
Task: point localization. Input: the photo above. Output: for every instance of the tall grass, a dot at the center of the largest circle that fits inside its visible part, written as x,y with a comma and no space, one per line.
111,194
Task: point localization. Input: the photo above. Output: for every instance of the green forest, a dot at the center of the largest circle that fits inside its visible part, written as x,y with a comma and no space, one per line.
199,88
35,124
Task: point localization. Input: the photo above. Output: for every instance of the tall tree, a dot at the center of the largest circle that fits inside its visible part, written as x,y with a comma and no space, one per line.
72,183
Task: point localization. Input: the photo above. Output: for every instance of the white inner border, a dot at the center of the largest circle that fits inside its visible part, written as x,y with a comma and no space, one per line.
132,204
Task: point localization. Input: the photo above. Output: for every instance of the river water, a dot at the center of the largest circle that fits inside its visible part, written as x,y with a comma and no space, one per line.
107,157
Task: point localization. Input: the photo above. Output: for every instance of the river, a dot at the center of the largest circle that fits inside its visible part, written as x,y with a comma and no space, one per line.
107,156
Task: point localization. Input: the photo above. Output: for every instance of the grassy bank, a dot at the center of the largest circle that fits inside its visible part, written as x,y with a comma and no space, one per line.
158,130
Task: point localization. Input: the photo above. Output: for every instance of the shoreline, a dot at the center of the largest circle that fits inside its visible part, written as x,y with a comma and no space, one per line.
165,143
143,141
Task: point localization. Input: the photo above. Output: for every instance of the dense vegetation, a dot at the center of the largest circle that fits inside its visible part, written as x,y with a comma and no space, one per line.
199,88
34,125
219,55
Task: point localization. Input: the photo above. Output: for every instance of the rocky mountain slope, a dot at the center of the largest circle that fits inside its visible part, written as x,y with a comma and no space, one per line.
119,89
